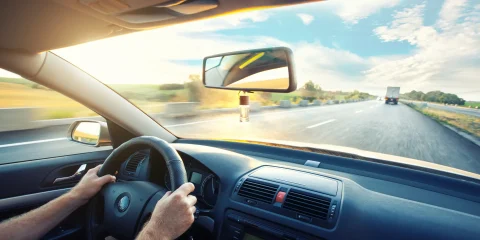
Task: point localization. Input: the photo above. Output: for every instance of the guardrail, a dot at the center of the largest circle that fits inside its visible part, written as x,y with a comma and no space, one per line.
181,109
18,118
14,119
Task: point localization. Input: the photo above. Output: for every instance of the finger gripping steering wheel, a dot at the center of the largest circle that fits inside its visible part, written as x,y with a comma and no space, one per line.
120,209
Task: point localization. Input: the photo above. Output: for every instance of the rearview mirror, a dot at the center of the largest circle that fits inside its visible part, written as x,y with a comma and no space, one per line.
265,70
93,133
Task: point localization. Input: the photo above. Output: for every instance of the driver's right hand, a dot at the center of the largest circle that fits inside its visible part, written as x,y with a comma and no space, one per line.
172,216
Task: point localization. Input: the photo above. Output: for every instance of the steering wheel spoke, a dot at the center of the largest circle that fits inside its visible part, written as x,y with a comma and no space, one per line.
124,204
99,231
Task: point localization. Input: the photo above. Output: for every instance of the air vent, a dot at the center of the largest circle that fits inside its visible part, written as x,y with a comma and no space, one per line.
259,191
308,204
134,161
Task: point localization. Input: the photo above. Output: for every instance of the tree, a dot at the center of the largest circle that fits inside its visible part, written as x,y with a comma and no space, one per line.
434,96
310,91
355,95
312,87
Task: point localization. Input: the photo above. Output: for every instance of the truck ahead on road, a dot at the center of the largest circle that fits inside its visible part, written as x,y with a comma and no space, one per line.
393,93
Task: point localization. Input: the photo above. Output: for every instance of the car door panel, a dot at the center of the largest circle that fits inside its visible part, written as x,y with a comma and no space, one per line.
30,182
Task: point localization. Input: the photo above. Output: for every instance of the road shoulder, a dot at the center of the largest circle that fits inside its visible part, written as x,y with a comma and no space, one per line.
469,137
462,132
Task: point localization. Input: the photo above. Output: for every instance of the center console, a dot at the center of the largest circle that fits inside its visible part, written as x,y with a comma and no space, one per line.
241,226
305,198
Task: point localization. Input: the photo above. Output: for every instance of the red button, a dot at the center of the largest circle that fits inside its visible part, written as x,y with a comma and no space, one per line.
280,197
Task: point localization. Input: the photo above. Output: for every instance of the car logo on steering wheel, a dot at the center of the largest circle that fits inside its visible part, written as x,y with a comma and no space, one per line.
123,203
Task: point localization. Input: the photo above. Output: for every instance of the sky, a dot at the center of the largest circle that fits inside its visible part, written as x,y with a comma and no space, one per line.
339,44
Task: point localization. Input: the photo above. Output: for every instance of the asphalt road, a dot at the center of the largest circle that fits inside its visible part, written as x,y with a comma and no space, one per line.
372,126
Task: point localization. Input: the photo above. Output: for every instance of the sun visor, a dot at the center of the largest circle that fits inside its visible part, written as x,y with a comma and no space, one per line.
148,11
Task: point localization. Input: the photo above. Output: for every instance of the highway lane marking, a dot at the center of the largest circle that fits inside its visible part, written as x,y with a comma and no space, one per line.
231,118
322,123
253,116
32,142
372,106
359,111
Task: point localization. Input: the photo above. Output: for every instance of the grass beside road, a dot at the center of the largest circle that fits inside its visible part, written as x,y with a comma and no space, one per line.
466,123
54,105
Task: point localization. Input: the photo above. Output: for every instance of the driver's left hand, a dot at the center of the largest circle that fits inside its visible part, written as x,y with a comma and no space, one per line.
90,184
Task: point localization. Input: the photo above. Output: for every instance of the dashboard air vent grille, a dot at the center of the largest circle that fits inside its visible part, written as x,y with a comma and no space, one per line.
308,204
134,161
257,190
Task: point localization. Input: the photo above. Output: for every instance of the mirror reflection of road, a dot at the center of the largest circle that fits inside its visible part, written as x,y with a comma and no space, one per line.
372,126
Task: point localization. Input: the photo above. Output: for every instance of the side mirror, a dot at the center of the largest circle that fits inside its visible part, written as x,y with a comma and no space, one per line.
264,70
93,133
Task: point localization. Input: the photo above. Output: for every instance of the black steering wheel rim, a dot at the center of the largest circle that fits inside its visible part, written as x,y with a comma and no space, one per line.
112,164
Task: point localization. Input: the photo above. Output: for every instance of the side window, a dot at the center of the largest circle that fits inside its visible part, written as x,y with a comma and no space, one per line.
34,121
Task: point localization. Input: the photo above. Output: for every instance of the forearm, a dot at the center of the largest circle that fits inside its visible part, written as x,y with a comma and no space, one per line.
150,232
36,223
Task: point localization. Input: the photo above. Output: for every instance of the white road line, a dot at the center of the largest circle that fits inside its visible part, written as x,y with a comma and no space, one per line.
32,142
230,118
372,106
319,124
359,111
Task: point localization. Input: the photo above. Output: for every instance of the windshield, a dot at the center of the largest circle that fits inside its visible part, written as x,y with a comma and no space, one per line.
394,77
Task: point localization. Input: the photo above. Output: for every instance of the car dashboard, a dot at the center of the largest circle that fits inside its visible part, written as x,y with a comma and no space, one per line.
275,193
140,166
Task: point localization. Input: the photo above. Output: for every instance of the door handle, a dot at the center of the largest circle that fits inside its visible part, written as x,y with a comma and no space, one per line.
77,174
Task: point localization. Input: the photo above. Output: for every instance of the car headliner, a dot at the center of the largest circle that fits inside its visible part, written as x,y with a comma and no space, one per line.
40,25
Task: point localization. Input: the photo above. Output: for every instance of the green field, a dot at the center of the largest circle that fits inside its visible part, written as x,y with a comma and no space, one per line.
17,81
284,96
149,92
340,97
472,104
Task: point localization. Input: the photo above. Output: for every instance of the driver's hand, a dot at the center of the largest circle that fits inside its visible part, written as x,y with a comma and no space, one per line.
90,184
172,216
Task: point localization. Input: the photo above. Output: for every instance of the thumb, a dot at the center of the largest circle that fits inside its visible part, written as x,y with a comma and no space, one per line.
106,179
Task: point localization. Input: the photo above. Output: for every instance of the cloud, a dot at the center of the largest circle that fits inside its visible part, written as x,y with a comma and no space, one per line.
353,11
333,69
407,26
306,18
446,52
451,11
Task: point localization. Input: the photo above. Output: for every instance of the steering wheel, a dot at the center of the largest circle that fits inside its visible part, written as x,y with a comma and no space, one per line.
121,209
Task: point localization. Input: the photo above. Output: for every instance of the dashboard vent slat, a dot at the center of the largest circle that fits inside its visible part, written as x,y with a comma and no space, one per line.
134,161
259,191
308,204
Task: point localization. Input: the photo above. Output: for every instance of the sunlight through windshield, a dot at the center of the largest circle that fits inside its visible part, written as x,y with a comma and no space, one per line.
398,78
